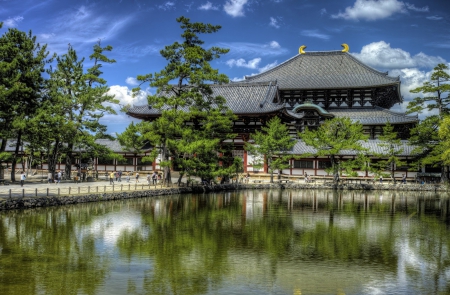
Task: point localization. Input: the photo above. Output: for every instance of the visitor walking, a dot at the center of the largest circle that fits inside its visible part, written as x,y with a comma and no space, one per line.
120,175
128,176
148,179
403,178
137,177
381,179
59,176
154,177
22,178
111,177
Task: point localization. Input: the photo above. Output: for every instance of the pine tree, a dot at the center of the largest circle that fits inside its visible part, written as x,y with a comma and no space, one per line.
193,122
272,145
435,98
22,62
390,144
333,137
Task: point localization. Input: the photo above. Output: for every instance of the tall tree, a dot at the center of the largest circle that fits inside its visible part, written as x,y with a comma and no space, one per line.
435,97
79,100
333,137
193,121
22,62
272,145
391,151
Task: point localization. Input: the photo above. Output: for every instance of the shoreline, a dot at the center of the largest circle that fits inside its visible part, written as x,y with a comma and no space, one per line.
37,202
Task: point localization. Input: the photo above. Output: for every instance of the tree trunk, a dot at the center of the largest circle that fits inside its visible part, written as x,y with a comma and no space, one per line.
335,167
2,149
69,160
166,169
16,154
52,158
444,173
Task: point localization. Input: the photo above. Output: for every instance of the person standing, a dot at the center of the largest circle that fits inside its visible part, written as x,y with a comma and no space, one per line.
154,177
111,177
120,175
128,176
137,177
59,176
22,178
148,179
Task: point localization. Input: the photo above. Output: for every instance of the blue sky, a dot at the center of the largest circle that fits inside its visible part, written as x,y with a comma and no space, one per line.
406,38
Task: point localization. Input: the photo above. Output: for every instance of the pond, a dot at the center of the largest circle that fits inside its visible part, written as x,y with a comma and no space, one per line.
243,242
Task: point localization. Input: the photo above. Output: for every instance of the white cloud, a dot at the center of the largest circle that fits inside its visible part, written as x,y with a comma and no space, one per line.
434,17
413,7
235,7
46,36
208,6
268,67
371,10
125,95
274,45
251,64
323,11
12,21
167,6
81,27
314,34
255,49
382,55
274,23
241,63
132,81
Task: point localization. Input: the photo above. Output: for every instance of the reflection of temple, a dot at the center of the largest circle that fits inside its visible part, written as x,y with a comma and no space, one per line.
306,90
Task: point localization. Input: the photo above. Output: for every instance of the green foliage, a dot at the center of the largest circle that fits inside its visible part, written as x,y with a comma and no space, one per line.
433,92
333,137
273,144
435,97
193,122
391,151
77,100
22,62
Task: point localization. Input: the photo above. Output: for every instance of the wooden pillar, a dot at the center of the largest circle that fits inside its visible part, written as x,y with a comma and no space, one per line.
316,166
245,161
291,164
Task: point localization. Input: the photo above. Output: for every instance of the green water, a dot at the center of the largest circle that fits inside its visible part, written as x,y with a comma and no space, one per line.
248,242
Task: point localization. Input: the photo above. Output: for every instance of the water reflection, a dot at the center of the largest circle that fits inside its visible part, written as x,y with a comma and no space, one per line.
250,242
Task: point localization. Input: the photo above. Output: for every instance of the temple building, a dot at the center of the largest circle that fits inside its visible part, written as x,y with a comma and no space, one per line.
306,90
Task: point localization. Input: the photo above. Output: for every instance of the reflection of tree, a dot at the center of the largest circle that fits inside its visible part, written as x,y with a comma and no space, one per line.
194,243
429,242
43,253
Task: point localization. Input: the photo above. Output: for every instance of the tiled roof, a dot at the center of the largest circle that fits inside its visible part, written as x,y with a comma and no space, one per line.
241,98
373,146
374,116
324,70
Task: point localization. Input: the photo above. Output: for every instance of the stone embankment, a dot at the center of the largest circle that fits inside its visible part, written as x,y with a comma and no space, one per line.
33,202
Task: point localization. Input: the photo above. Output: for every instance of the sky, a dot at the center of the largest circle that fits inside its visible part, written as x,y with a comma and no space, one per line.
404,38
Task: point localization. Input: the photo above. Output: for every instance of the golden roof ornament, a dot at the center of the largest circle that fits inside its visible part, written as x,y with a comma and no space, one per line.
301,50
346,48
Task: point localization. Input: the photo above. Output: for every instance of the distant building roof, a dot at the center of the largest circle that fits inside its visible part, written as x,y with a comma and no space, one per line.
374,116
241,98
372,145
324,70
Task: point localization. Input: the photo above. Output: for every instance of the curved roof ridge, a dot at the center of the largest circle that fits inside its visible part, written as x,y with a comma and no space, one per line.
248,78
396,79
243,83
